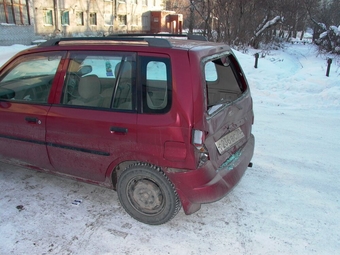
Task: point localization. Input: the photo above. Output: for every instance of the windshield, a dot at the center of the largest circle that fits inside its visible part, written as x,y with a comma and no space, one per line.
36,67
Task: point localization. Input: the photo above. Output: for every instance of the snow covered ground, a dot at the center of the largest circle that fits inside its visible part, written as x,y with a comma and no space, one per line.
288,203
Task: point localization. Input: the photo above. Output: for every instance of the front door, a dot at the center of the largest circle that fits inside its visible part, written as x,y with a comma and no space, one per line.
24,95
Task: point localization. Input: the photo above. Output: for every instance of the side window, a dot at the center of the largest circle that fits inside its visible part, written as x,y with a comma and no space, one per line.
156,81
31,77
210,72
100,80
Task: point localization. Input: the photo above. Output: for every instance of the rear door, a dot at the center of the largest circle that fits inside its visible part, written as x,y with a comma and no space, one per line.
24,95
93,125
229,110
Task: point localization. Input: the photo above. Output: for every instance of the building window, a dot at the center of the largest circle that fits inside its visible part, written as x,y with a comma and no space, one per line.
134,20
122,20
80,18
14,12
145,2
65,18
108,19
48,17
93,18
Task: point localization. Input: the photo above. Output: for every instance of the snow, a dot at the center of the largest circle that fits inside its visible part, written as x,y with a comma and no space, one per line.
288,203
335,29
268,24
323,34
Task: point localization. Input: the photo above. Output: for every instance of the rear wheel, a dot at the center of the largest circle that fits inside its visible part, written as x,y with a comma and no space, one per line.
147,194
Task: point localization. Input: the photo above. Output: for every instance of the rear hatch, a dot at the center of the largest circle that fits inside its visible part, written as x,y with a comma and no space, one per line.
228,111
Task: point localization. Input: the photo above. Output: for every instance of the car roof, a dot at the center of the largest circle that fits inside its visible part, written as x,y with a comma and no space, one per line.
184,42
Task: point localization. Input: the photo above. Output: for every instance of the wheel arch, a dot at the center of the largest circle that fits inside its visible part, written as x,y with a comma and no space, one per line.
120,164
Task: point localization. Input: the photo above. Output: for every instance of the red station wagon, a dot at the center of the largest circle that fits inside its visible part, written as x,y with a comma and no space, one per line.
166,122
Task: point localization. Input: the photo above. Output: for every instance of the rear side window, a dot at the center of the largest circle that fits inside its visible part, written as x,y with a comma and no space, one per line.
210,72
156,84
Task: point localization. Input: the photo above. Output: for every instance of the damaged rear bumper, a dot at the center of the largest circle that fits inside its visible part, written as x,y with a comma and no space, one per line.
206,184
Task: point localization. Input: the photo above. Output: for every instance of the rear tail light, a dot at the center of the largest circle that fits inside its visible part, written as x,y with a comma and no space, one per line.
198,138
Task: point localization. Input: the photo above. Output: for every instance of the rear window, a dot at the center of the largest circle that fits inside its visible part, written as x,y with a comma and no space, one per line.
224,81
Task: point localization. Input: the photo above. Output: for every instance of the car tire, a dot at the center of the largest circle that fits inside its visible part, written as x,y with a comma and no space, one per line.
147,194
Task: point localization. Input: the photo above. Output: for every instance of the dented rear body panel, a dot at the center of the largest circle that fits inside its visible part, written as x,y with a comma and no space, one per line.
223,112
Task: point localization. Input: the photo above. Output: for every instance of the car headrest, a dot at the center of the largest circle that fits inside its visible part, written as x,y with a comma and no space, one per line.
126,72
89,86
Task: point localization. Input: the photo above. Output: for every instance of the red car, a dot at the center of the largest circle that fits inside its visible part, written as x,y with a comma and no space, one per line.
165,122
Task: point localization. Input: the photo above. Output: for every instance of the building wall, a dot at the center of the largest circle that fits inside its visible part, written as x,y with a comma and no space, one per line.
111,16
14,32
47,19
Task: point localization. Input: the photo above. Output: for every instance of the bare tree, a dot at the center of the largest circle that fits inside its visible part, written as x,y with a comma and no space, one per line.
326,20
266,24
243,22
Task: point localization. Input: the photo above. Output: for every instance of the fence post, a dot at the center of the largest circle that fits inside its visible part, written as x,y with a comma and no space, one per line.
256,59
329,62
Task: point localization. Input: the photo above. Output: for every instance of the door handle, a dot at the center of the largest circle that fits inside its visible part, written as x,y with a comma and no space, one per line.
33,120
118,130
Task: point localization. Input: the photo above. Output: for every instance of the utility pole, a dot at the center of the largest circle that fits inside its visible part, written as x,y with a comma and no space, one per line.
56,15
191,18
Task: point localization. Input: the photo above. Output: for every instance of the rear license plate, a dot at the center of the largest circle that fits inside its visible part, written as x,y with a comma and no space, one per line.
229,140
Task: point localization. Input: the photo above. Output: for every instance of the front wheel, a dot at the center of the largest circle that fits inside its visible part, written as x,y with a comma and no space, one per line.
147,194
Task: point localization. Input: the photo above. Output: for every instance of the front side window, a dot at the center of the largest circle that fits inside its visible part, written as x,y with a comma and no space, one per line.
100,80
156,85
31,78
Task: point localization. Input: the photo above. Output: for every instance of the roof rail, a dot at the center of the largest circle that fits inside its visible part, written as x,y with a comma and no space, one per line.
188,36
152,41
197,37
157,42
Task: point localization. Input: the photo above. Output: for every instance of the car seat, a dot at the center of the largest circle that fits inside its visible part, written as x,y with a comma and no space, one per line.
89,91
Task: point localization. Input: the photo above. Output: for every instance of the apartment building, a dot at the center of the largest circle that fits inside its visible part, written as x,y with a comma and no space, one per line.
23,21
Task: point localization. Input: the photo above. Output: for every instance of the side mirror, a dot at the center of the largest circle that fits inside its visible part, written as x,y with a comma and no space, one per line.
6,93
